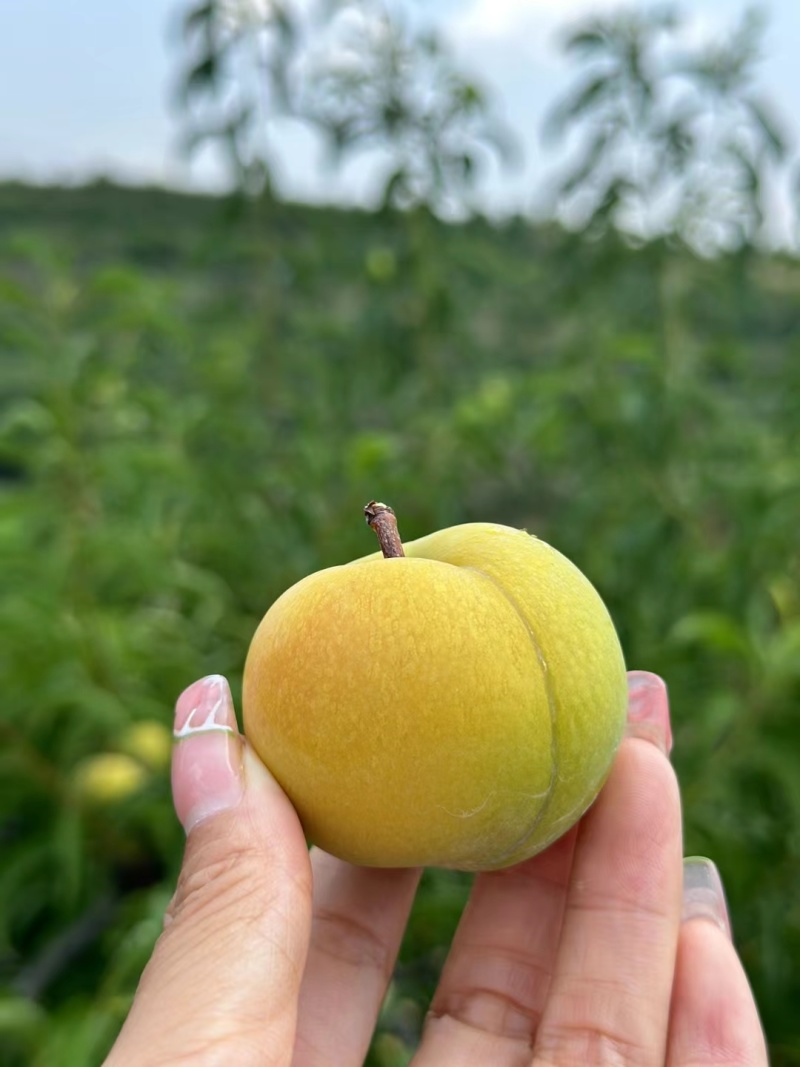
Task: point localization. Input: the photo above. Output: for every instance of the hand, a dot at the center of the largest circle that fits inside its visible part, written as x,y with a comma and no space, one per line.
607,948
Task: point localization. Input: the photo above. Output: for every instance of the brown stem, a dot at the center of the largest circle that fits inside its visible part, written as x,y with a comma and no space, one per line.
381,518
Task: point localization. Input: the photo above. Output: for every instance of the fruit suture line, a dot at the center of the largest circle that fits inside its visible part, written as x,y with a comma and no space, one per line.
381,518
552,708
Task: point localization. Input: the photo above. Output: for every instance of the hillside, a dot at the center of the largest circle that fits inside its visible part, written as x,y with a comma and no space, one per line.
197,400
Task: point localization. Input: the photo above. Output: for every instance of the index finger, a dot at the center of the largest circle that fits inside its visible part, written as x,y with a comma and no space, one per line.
359,915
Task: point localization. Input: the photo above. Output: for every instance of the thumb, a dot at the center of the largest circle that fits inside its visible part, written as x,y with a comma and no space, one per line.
223,981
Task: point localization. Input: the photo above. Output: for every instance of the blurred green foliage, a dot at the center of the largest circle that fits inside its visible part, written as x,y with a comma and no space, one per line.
195,410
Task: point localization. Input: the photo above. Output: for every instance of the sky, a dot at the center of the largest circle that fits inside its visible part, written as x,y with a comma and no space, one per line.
86,89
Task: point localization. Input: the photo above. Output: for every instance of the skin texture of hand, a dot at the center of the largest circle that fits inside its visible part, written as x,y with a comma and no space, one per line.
607,949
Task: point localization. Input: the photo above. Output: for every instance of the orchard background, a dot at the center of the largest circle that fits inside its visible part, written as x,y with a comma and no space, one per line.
200,393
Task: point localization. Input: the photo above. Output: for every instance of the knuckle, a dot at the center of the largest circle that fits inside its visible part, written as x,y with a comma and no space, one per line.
234,883
498,990
491,1011
349,940
225,883
592,1045
608,1021
210,877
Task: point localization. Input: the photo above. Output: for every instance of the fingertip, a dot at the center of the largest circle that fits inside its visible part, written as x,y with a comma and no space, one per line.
648,710
703,893
204,706
207,757
714,1017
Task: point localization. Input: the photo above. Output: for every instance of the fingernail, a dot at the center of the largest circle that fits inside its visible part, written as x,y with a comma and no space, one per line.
207,758
648,710
703,895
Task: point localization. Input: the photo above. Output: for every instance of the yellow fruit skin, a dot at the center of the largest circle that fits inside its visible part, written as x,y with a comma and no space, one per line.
459,707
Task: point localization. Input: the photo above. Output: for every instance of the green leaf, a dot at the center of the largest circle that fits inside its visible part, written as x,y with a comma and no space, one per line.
715,631
21,1018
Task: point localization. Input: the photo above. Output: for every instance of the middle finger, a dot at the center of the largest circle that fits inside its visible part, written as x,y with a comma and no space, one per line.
494,984
610,996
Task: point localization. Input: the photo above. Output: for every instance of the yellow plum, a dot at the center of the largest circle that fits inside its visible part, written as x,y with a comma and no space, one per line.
458,706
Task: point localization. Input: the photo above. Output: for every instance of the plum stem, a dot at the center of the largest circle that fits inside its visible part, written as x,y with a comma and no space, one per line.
382,520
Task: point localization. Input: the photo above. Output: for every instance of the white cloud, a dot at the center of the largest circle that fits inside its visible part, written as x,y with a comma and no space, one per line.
517,24
532,27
